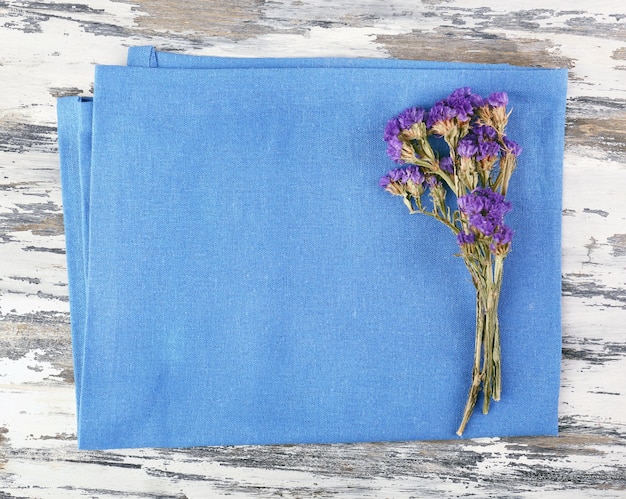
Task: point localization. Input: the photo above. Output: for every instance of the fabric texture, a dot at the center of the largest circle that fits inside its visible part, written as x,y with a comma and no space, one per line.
238,277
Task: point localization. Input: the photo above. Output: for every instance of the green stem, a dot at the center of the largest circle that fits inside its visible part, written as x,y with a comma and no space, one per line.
498,271
452,185
436,216
491,365
477,375
486,273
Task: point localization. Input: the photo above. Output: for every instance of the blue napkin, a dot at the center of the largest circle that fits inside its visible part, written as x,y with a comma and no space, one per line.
238,277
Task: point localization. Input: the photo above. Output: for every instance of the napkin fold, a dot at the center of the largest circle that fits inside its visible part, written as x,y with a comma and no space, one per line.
238,277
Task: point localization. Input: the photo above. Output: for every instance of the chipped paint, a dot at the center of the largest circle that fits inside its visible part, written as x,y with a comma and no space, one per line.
457,44
618,243
49,50
609,134
243,18
27,369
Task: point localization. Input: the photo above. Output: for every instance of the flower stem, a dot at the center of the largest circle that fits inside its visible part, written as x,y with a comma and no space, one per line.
487,343
477,375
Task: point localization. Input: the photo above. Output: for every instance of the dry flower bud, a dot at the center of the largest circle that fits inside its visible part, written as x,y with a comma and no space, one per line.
499,118
416,132
415,190
502,249
443,128
488,163
396,188
407,154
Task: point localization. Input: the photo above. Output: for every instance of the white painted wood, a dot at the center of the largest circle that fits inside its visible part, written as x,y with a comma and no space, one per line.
49,49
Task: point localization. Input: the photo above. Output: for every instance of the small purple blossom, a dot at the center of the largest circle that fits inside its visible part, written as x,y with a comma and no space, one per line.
486,138
485,210
461,101
465,238
498,99
487,150
477,101
467,146
407,118
460,104
503,235
512,147
396,174
384,181
431,181
394,149
480,143
446,165
402,176
485,132
394,127
392,130
413,174
440,112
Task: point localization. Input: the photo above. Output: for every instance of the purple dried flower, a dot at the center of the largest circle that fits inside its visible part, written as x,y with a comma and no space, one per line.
407,118
390,181
485,132
414,174
465,238
512,147
503,235
460,104
431,181
394,149
484,224
498,99
440,112
384,181
477,101
485,209
479,143
402,176
467,146
395,175
446,165
392,130
487,150
461,101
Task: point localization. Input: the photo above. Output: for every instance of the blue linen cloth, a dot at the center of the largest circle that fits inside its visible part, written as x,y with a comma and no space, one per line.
238,277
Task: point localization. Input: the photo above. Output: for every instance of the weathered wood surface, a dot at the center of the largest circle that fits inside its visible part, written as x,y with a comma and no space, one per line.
48,50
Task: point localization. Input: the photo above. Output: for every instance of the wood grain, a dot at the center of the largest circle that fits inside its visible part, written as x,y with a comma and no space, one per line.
49,50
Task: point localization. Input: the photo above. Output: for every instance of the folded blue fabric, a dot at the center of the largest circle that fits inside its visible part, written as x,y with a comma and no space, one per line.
238,277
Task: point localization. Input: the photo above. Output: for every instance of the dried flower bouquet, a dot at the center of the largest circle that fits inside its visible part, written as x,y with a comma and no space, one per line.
475,165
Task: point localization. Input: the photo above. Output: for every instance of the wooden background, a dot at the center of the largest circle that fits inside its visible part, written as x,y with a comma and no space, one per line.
48,49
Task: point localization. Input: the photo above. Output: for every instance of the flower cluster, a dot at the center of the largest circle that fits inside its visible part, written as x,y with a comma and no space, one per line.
484,211
481,143
459,106
475,166
402,127
480,158
402,176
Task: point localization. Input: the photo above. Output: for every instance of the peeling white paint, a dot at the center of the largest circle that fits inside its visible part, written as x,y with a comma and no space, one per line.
315,42
27,369
37,406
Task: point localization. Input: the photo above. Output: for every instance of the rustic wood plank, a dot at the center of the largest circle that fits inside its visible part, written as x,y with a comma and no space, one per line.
48,51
